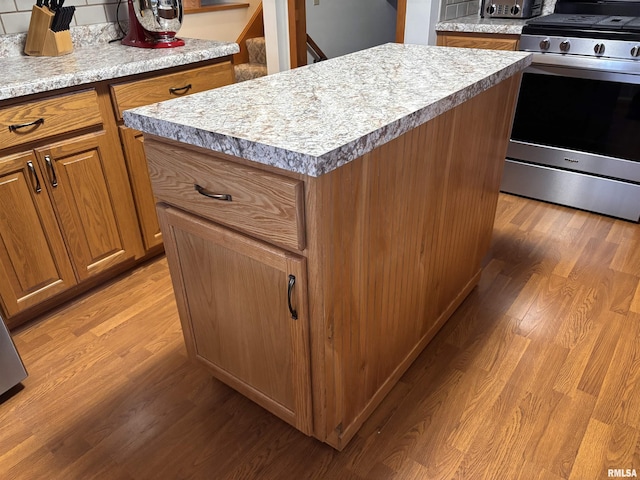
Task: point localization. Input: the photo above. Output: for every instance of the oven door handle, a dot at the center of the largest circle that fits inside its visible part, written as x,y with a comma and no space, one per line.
608,70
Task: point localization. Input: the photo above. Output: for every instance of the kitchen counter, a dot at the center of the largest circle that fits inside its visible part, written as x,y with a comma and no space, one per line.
314,119
322,224
25,75
475,24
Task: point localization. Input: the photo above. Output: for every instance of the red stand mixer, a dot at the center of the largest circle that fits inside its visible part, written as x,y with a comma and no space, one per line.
154,23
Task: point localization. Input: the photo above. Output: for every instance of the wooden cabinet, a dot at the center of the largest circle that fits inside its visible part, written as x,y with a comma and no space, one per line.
87,202
489,41
69,217
383,250
243,307
240,285
77,204
136,93
34,263
133,145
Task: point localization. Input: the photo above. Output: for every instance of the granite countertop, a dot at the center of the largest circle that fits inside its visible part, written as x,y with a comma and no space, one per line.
313,119
25,75
475,24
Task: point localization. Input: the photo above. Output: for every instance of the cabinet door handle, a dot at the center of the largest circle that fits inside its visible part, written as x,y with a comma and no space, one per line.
216,196
32,169
292,282
177,90
52,171
13,128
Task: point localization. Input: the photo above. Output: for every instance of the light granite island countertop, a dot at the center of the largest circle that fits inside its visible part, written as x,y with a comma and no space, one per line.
322,224
313,119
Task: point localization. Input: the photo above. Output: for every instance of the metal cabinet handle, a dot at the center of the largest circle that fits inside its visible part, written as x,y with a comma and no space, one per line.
32,169
13,128
176,90
52,171
292,282
216,196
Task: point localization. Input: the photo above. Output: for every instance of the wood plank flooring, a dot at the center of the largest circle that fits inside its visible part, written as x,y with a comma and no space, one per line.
536,376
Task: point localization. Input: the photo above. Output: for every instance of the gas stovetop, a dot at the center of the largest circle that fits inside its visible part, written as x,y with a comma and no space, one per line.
600,31
582,25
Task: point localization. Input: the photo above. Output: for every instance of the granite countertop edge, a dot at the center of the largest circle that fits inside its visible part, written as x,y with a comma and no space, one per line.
89,64
475,24
305,163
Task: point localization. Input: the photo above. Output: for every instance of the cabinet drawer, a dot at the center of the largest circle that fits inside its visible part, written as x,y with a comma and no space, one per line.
31,121
261,204
164,87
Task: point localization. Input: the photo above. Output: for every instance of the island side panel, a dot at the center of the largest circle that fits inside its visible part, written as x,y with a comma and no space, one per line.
399,237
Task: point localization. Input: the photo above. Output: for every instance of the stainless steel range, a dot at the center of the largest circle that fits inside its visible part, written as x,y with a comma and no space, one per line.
576,133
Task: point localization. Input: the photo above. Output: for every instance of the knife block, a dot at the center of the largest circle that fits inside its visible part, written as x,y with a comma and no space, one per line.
41,40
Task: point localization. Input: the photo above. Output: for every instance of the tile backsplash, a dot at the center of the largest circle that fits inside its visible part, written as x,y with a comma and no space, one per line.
15,14
458,8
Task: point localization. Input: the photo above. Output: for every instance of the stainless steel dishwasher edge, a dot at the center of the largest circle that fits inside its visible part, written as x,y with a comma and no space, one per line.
12,370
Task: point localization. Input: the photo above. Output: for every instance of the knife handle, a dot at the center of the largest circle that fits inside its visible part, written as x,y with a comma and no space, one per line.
15,127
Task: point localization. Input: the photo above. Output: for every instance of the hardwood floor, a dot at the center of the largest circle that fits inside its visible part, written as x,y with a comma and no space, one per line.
536,376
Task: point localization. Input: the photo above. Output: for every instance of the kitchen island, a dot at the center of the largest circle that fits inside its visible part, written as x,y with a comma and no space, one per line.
322,224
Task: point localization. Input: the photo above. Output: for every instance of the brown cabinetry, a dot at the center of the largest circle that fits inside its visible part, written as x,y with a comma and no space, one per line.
489,41
67,209
242,294
244,312
136,93
34,263
388,247
77,203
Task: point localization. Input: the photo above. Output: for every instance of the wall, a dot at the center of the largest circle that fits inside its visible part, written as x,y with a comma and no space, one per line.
224,25
15,14
345,26
420,22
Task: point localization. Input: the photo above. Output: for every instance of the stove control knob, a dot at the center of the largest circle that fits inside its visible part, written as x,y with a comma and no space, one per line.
599,49
635,51
515,10
565,45
545,44
491,9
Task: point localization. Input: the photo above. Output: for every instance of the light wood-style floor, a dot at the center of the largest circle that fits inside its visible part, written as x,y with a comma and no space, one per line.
536,376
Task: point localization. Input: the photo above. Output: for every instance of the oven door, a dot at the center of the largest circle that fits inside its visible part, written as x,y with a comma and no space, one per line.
576,134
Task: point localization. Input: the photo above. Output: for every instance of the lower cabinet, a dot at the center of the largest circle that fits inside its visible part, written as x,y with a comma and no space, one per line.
88,203
133,143
34,262
489,41
243,307
63,219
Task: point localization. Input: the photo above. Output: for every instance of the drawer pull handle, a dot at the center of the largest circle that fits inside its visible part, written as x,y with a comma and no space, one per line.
52,171
14,128
32,169
180,90
225,197
292,282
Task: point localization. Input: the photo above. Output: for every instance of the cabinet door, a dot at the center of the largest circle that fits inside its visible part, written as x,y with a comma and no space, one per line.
34,264
234,297
133,142
86,202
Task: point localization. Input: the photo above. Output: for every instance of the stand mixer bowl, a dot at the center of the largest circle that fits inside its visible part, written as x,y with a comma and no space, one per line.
154,23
